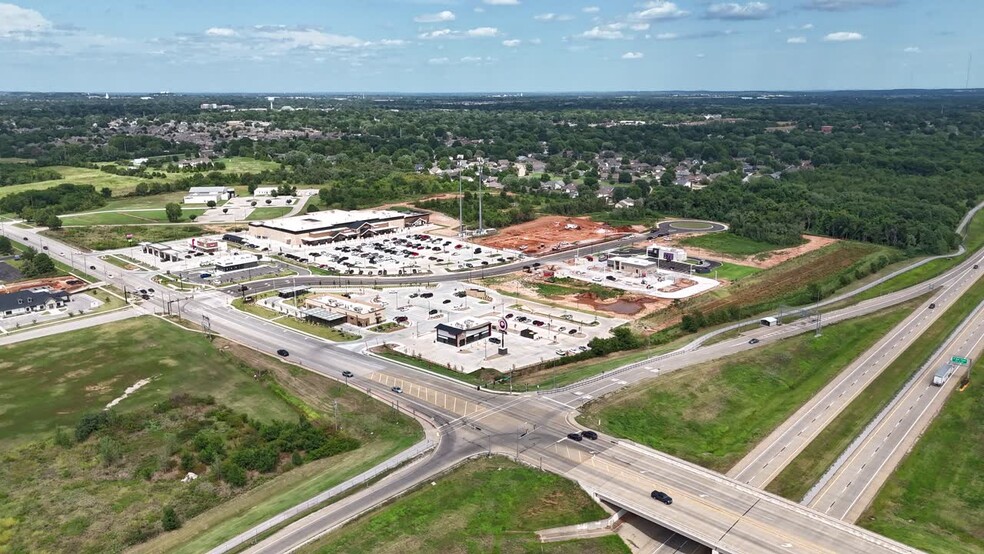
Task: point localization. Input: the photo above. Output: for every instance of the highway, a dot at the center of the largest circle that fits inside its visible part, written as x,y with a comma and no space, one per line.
849,489
709,508
786,442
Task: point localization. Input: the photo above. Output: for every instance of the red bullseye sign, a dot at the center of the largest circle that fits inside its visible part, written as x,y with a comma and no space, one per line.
503,325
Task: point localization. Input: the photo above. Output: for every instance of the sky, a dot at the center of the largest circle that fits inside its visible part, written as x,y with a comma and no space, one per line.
421,46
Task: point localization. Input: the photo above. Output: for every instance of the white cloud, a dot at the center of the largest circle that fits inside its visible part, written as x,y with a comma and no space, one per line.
659,9
843,36
701,55
734,10
534,41
511,43
440,33
591,9
438,61
482,32
912,50
604,32
475,59
667,36
312,39
632,56
550,16
845,5
796,40
502,2
446,15
807,26
639,26
18,22
220,32
477,32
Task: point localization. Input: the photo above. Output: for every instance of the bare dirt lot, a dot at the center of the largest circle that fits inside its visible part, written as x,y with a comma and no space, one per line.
761,261
552,233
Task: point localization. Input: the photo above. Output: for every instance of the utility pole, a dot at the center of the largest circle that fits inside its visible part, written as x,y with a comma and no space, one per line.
461,217
481,224
338,424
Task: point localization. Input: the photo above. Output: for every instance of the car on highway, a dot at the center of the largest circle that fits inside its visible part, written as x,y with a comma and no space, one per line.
575,437
975,266
347,374
662,497
92,267
397,390
589,435
446,301
932,305
283,353
753,341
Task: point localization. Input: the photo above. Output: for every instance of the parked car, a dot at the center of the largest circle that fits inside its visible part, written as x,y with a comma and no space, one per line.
572,332
397,390
662,497
610,278
509,316
283,353
575,437
432,312
402,319
589,435
347,374
446,301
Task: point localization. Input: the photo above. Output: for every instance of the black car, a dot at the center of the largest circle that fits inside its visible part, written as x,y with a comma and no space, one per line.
92,267
347,374
575,437
589,435
432,312
662,497
283,353
572,332
932,305
753,341
494,340
446,301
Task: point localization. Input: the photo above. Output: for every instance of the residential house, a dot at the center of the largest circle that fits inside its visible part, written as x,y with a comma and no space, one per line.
570,190
39,299
625,203
606,191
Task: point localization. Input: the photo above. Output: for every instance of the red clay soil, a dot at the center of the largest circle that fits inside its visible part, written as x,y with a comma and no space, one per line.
551,233
67,284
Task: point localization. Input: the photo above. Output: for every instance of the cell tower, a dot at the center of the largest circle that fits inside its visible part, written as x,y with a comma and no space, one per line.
481,224
461,217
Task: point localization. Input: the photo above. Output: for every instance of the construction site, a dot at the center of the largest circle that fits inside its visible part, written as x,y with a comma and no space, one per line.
553,233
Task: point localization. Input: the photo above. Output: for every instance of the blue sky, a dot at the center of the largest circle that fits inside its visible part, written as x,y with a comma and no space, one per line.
487,45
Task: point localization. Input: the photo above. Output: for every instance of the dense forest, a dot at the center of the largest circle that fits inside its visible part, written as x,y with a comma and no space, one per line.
896,168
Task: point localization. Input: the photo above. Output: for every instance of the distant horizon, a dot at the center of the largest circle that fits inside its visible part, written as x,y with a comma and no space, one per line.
476,46
296,93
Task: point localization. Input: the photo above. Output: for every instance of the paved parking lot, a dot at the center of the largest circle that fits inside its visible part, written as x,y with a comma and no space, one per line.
406,253
420,309
659,283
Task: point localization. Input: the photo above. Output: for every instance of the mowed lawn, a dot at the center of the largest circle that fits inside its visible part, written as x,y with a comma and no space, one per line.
730,244
119,184
486,505
52,381
733,272
269,212
715,413
934,500
109,238
134,217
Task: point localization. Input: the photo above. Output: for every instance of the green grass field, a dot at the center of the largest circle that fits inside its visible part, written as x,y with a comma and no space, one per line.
807,468
128,218
109,238
77,504
119,184
733,272
486,505
247,165
933,500
52,381
714,414
268,213
729,244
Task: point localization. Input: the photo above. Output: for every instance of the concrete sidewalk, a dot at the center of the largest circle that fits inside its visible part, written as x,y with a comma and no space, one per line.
73,324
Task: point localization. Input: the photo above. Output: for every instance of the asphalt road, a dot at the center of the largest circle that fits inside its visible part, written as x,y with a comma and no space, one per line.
708,507
774,453
849,489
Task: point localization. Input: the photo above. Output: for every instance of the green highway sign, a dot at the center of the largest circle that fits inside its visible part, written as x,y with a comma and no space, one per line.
959,360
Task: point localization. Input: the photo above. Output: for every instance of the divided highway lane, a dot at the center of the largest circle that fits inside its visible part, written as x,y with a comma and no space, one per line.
779,449
854,484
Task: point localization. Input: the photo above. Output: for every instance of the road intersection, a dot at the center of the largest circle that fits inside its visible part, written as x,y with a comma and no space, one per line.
712,509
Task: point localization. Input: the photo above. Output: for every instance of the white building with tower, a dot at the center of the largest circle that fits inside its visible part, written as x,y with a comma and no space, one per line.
668,253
